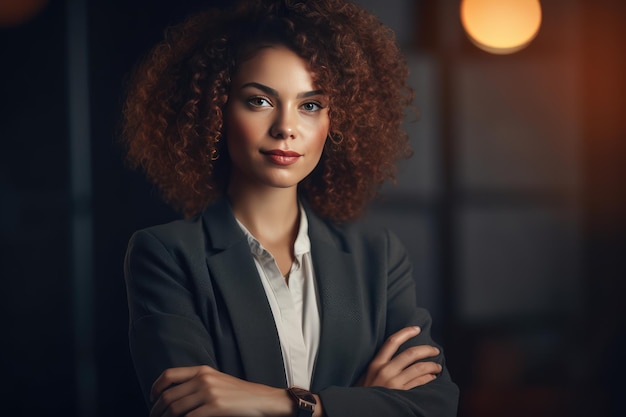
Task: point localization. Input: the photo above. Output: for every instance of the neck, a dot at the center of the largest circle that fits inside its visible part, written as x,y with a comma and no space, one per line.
270,214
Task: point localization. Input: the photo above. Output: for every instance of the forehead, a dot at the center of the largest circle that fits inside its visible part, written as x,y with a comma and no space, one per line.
275,66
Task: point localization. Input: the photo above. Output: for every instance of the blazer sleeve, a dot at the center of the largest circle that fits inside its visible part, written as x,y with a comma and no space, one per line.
164,330
438,398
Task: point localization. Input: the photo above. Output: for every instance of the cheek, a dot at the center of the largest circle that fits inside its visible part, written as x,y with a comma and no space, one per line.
321,136
316,147
240,132
319,144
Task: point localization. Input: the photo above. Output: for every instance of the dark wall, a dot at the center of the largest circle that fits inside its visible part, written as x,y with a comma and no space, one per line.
36,333
604,327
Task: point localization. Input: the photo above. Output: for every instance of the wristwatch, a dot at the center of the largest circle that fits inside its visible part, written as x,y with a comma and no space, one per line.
305,401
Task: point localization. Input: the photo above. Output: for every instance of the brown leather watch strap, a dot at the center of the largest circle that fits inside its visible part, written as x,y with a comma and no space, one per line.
305,401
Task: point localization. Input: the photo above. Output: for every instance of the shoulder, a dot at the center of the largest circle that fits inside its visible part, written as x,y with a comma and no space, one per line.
208,233
176,237
177,231
215,223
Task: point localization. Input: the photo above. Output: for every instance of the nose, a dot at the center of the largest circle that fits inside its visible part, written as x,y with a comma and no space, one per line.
284,126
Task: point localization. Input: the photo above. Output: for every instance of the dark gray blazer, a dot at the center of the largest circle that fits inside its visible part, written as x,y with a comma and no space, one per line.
195,297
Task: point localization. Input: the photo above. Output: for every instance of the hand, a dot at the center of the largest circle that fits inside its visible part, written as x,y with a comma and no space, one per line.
403,371
199,391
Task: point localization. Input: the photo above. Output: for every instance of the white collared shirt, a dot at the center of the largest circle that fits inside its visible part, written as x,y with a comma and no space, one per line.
294,306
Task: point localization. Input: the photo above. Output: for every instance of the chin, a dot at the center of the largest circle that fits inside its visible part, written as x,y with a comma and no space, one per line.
283,182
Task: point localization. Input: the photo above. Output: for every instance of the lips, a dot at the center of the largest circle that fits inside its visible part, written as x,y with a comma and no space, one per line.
280,157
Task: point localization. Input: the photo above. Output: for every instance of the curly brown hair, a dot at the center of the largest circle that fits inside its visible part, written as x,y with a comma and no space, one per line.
173,115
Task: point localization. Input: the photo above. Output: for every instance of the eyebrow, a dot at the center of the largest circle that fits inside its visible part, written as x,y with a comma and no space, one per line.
272,92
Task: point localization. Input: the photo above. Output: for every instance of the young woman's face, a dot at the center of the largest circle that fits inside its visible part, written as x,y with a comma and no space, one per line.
276,120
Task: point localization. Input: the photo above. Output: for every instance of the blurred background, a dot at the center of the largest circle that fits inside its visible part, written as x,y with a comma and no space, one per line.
512,208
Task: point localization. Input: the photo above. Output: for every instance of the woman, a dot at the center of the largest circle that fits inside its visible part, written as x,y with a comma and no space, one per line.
270,126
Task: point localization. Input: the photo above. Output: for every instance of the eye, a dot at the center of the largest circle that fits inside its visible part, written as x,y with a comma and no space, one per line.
259,102
311,106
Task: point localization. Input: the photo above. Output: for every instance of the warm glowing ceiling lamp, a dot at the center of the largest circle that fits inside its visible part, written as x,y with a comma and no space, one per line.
501,26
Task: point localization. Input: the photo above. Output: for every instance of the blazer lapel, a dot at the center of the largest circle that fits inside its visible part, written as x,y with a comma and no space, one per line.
232,268
341,307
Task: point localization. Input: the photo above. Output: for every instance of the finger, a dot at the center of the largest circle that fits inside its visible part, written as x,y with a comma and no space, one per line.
419,374
428,372
406,359
414,354
418,382
396,370
393,343
168,397
173,376
177,401
407,365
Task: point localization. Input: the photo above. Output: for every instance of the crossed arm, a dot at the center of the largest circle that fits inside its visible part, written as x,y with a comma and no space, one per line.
200,391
